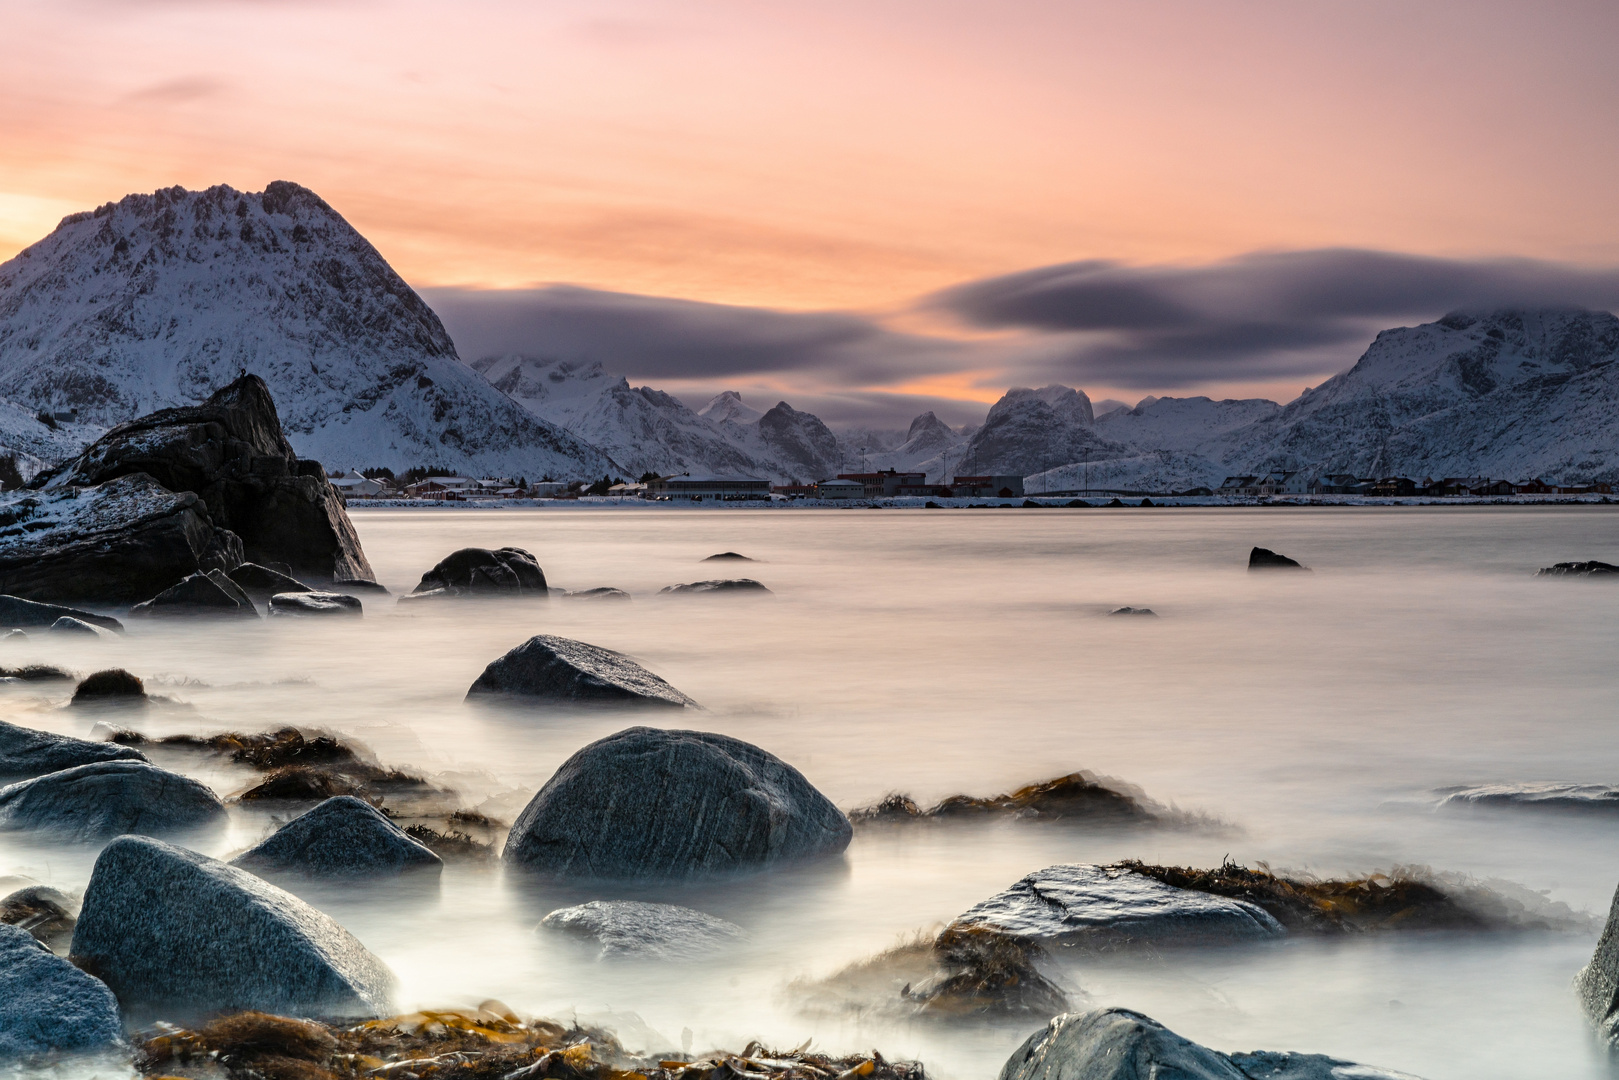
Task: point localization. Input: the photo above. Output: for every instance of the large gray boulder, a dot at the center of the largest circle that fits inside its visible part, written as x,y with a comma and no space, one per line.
549,668
638,930
649,803
48,1005
108,798
501,572
342,837
199,594
310,604
1118,1044
1598,982
169,929
15,611
1085,904
26,752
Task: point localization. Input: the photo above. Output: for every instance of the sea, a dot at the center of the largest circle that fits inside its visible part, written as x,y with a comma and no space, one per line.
1305,722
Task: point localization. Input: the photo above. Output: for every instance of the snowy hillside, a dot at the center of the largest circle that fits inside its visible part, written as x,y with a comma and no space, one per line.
728,405
1181,424
36,445
160,299
1029,431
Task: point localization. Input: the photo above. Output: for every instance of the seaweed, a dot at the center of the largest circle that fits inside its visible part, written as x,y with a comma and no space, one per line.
1078,796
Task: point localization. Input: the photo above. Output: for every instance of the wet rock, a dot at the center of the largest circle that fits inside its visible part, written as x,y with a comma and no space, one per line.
645,931
311,604
1265,559
108,798
26,752
506,571
1564,798
983,973
14,635
1106,906
598,594
1134,611
354,585
15,611
37,673
1589,568
343,837
47,1004
47,914
1118,1044
169,929
650,803
1598,982
198,595
113,684
711,588
1078,796
261,582
67,626
729,556
559,670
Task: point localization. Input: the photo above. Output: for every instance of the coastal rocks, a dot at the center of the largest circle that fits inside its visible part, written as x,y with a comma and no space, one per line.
649,803
1104,906
1118,1044
1591,568
169,929
559,670
112,686
67,626
47,1004
201,594
26,752
1134,611
314,604
1565,798
1265,559
261,582
1598,982
46,913
109,798
343,837
597,594
630,928
15,611
729,556
712,588
1077,797
503,572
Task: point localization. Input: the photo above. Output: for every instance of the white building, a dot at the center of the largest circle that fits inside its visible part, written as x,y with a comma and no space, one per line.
840,489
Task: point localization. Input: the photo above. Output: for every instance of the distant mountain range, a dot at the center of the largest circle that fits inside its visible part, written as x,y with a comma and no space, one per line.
160,299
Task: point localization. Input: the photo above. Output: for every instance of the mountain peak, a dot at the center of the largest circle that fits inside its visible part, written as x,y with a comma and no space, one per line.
728,405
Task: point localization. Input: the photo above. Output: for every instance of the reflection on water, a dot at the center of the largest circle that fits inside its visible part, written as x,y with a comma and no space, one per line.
940,652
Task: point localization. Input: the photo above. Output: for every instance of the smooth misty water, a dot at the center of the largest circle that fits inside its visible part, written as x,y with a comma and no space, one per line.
945,651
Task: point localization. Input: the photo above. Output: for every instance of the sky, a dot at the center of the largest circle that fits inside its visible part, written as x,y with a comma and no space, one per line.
878,206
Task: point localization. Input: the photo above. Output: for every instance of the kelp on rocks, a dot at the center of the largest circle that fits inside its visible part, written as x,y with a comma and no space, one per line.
1080,797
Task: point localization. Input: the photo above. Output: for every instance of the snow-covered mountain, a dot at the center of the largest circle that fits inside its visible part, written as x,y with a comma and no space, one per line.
728,405
158,300
1182,424
36,445
1029,431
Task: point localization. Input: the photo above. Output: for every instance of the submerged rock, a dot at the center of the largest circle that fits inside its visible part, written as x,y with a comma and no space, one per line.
630,928
1567,798
108,798
261,582
1104,906
1590,568
47,1004
114,685
709,588
46,913
729,556
28,752
353,585
650,803
1265,559
1078,797
169,929
15,611
1134,611
343,837
199,594
506,571
308,604
558,669
14,635
71,627
1118,1044
598,594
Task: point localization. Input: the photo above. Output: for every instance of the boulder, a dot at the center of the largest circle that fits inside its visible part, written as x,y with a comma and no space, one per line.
1118,1044
598,594
548,668
1265,559
353,585
232,454
301,604
1598,982
650,803
729,556
709,588
108,798
631,928
15,611
1134,611
47,1005
47,914
342,837
1106,906
260,582
169,929
67,626
1590,568
506,571
198,594
14,635
26,752
113,684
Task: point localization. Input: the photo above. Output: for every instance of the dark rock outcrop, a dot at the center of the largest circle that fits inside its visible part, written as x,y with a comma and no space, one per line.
170,929
1134,611
645,931
261,582
1598,982
47,1004
231,453
46,913
1265,559
201,594
25,752
602,593
353,585
1590,568
729,556
15,611
70,627
308,604
548,668
1077,797
649,803
506,571
108,798
111,685
710,588
343,837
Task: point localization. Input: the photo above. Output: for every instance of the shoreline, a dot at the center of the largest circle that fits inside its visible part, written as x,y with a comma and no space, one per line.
1134,501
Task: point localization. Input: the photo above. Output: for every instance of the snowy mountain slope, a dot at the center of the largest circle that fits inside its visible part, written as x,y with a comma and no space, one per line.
1029,431
800,443
36,445
159,300
1181,424
1156,470
926,445
728,405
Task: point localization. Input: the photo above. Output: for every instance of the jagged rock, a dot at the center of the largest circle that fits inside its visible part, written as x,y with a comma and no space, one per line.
560,670
26,752
47,914
113,684
260,582
1104,906
1265,559
506,571
650,803
231,452
169,929
304,604
47,1004
343,837
1134,611
729,556
709,588
71,627
1598,982
15,611
108,798
1591,568
648,931
1118,1044
198,595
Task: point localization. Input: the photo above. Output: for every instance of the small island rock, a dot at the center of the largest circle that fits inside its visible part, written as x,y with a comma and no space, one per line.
15,611
631,928
343,837
47,1004
1266,559
729,556
111,685
27,752
602,593
68,626
558,669
108,798
1134,611
709,588
310,604
506,571
1589,568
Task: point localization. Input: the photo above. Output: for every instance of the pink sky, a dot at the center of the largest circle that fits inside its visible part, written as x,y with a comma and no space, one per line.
839,154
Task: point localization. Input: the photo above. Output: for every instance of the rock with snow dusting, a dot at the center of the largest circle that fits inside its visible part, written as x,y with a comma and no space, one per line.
1565,798
503,572
631,928
342,837
47,1005
26,752
170,930
558,670
15,611
716,587
1104,906
198,595
108,798
654,804
314,604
